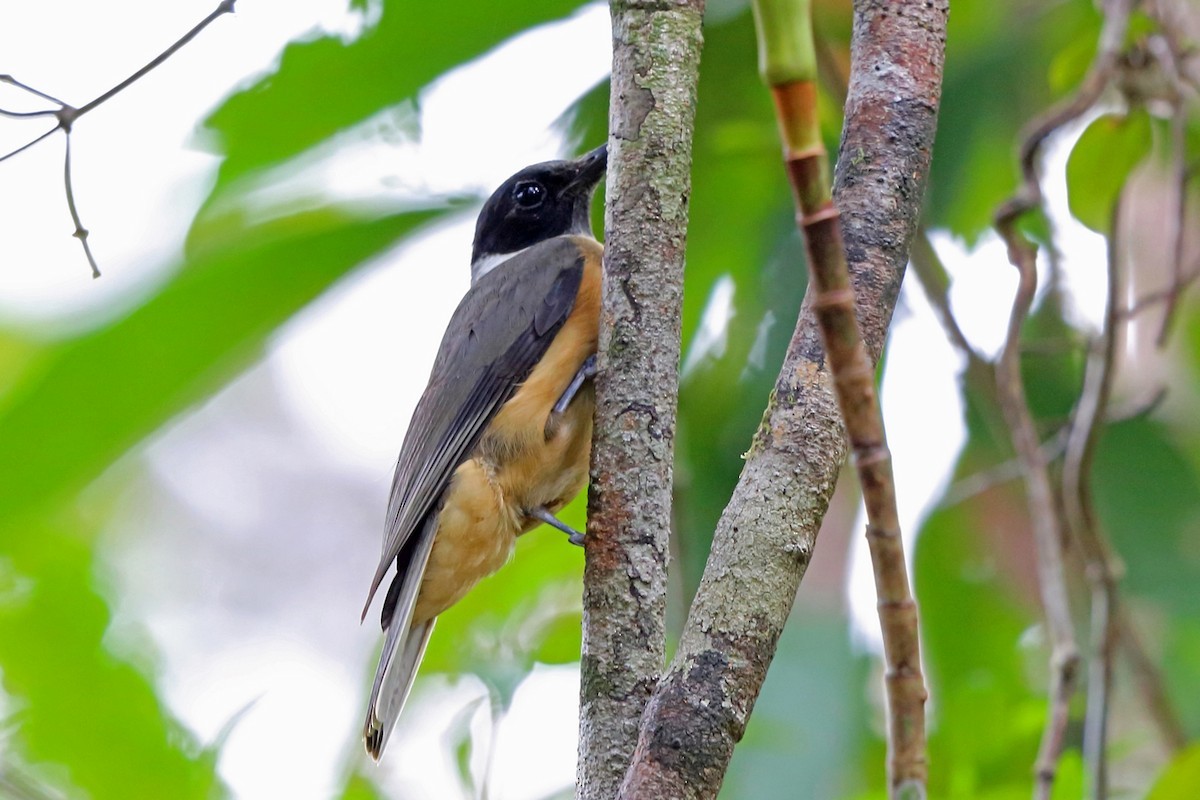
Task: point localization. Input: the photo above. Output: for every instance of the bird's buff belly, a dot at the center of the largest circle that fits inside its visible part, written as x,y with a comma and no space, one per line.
485,506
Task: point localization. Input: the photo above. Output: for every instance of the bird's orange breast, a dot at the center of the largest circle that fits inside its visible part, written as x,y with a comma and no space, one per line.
527,457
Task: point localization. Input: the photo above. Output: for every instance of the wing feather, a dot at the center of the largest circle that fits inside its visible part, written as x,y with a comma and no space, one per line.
498,333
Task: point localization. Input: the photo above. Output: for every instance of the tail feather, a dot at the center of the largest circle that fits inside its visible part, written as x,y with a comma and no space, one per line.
403,647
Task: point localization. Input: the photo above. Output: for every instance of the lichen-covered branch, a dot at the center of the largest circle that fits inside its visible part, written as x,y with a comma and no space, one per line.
656,54
765,536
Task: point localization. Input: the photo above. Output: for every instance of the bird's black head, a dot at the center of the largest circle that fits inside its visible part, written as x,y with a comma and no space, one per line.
538,203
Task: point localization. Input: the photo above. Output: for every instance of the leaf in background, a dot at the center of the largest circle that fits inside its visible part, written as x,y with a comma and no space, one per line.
808,725
1181,779
529,611
1148,498
85,401
1100,163
986,720
998,56
76,704
359,788
741,230
327,84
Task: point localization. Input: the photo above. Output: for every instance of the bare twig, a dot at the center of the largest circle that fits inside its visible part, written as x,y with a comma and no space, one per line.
1047,527
67,115
28,144
1161,296
1047,532
1168,51
80,232
1052,449
1099,566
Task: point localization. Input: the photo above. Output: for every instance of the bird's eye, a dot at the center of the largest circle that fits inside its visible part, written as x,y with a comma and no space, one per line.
529,194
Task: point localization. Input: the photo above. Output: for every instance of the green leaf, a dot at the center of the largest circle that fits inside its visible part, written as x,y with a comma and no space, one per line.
986,721
85,401
1181,778
1100,164
359,788
75,703
327,84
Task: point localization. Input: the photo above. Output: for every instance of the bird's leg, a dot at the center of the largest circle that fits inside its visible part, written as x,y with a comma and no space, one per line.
587,370
543,514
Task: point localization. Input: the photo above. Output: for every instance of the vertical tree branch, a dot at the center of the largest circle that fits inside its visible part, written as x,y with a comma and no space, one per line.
765,536
656,55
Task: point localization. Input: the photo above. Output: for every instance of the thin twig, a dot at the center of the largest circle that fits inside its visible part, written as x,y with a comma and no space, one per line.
1047,526
1161,296
1099,567
1052,449
1047,532
46,112
788,65
1169,57
67,115
224,7
27,145
935,281
80,232
10,80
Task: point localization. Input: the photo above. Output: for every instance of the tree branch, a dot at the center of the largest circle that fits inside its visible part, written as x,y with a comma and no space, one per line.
765,537
656,54
67,114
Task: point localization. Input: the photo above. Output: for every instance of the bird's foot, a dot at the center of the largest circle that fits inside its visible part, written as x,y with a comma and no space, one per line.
587,370
543,514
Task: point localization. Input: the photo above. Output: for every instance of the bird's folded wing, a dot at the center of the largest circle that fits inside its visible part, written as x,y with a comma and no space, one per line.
498,333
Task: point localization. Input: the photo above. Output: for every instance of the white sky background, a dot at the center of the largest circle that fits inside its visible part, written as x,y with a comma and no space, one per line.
138,183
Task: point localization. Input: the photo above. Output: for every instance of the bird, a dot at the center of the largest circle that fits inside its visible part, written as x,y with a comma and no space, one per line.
500,440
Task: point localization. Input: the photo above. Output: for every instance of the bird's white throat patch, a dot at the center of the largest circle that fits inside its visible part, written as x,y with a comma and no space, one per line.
485,264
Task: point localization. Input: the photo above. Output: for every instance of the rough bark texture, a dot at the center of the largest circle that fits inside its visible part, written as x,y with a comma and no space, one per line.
656,53
765,537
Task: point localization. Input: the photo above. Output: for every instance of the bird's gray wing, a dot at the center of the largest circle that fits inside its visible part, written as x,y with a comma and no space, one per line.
498,333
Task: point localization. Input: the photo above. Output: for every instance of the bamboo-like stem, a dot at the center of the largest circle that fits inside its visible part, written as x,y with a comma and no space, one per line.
788,67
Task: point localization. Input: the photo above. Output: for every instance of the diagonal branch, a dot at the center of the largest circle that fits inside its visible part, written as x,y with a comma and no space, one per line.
765,536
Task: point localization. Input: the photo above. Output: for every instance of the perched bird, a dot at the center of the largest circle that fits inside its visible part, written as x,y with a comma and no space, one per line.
500,440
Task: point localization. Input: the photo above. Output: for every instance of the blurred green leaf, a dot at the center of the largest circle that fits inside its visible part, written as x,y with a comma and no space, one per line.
84,401
359,788
529,611
808,724
997,58
328,83
1148,498
76,704
1100,164
986,721
1181,779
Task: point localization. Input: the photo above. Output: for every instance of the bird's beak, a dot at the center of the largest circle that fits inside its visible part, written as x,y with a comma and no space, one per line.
590,168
